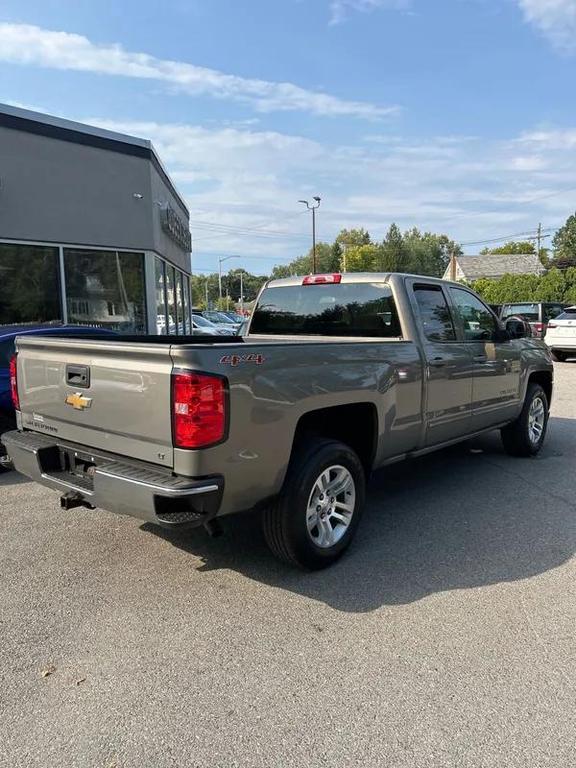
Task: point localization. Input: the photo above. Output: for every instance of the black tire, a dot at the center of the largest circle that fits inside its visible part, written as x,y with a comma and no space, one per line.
557,356
285,521
516,437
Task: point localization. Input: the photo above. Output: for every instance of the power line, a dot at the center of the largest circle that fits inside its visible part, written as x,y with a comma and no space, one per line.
529,233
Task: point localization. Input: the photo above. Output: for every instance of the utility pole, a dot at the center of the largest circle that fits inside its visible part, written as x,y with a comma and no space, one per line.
224,258
453,266
313,209
539,240
242,290
207,300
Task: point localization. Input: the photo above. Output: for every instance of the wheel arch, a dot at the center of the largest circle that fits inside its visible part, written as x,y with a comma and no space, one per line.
545,379
354,424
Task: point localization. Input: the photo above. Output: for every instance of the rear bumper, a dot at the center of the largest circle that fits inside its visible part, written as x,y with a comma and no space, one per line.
140,490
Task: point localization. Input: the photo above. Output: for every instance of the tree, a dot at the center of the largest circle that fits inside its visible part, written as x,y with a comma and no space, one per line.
349,237
564,244
520,247
551,286
251,284
280,271
429,254
394,255
362,258
570,285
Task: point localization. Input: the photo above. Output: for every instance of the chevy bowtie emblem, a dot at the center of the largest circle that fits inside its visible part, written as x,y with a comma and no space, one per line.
78,401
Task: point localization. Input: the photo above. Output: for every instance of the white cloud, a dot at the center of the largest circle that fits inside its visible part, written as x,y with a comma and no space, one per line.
340,9
468,187
32,45
556,19
550,140
242,185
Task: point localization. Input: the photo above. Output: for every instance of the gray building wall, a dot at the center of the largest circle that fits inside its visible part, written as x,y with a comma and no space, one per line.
161,195
63,190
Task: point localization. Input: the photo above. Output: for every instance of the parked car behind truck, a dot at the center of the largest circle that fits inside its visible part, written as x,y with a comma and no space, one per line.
538,314
561,335
338,375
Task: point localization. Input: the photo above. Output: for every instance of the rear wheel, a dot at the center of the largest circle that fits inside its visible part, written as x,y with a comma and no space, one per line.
316,516
525,436
558,357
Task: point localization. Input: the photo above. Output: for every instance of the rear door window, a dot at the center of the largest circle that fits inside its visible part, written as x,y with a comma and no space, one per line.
341,309
435,315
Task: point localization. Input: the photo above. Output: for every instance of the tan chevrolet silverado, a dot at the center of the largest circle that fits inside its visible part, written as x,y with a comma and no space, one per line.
337,375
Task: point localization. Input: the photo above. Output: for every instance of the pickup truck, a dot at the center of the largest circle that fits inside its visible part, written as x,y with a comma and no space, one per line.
337,375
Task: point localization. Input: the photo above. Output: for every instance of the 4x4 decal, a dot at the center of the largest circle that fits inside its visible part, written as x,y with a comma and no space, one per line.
235,360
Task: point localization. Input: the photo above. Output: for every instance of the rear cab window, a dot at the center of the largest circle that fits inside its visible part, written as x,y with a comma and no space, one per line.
435,316
339,309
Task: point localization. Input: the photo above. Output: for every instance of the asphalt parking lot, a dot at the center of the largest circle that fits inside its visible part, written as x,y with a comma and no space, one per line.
447,637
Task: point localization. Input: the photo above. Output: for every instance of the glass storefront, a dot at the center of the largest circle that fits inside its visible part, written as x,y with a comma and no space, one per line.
160,288
29,284
106,289
179,303
172,299
186,294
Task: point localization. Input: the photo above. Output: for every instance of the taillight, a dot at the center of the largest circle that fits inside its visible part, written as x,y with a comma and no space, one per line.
322,279
552,325
198,409
538,327
14,382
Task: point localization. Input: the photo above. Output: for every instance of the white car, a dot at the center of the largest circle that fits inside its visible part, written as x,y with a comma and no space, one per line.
561,335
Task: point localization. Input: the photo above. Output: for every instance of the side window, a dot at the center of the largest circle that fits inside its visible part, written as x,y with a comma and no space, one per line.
478,322
434,313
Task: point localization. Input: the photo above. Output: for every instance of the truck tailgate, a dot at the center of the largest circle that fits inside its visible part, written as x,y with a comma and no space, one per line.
108,395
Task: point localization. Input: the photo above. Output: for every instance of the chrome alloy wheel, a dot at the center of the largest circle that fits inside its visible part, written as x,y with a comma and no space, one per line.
536,420
330,506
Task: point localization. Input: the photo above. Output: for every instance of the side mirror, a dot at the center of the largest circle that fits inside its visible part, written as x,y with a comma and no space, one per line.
516,328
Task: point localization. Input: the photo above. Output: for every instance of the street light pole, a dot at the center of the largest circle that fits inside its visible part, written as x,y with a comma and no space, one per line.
313,209
224,258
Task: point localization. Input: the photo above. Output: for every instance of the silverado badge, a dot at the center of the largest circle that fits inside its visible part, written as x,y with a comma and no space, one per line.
78,401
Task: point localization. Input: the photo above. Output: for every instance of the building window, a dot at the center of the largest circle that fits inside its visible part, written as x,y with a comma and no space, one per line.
161,320
105,289
186,291
180,301
171,299
29,284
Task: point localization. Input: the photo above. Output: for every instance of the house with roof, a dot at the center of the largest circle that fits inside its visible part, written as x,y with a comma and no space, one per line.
494,266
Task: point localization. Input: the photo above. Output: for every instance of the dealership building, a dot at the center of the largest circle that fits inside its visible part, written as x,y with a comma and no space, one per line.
92,229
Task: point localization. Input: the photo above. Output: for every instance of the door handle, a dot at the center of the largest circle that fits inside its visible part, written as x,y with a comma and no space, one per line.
437,362
480,358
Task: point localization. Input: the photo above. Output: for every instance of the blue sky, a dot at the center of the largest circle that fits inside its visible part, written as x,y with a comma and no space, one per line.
455,116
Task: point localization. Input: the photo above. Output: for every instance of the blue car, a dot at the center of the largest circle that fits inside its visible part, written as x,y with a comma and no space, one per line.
8,334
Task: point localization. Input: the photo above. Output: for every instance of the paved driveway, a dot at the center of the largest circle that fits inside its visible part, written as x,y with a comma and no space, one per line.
447,637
